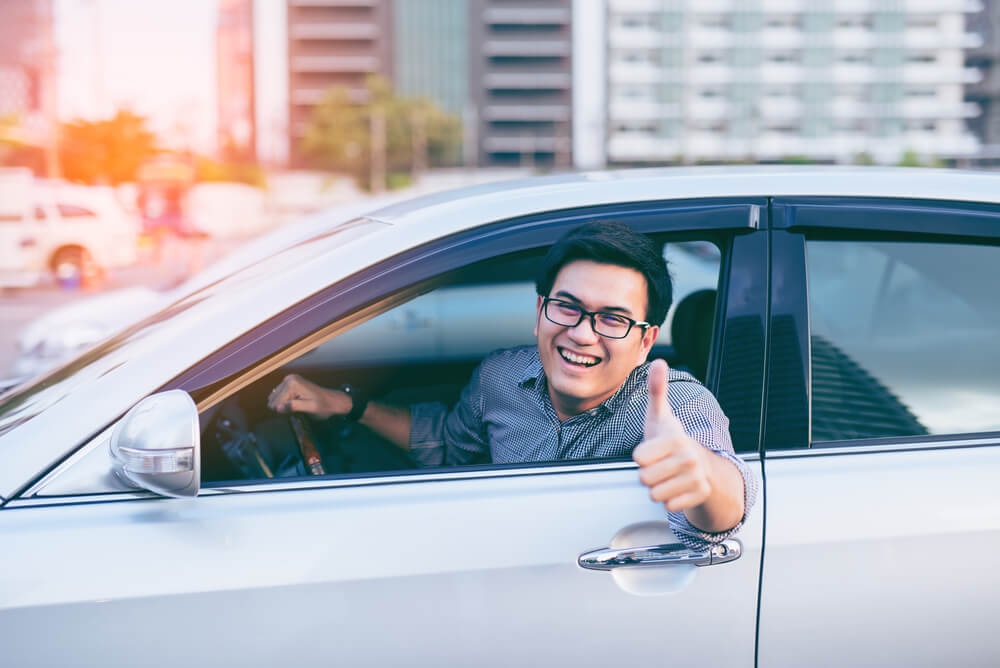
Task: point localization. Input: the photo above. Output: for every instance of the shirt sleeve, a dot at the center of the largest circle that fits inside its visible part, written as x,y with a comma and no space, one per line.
442,437
704,421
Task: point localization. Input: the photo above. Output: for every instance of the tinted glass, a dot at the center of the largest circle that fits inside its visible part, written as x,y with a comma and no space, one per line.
905,339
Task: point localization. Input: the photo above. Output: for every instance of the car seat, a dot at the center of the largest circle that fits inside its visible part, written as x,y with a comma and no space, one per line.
691,331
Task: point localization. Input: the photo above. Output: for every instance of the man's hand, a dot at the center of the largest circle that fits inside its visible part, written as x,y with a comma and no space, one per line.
295,394
681,473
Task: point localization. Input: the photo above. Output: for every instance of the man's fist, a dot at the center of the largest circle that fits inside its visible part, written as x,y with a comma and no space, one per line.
674,466
295,394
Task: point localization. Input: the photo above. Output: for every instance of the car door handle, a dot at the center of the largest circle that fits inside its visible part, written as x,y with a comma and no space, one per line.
661,555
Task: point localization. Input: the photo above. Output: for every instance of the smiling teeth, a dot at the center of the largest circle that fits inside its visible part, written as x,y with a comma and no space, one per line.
579,359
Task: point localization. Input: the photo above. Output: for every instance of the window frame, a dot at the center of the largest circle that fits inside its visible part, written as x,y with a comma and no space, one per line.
734,220
794,220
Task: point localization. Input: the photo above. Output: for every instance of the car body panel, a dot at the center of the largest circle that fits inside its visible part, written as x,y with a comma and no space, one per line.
882,556
479,570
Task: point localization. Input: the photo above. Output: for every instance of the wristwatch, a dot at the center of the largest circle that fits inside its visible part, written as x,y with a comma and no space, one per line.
359,402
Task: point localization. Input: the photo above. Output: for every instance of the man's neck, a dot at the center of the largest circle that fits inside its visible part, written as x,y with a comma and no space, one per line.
567,407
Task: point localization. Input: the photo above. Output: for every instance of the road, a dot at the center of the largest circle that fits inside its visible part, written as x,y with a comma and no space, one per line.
20,306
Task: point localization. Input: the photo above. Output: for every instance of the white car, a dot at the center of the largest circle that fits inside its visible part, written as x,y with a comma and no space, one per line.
56,230
852,335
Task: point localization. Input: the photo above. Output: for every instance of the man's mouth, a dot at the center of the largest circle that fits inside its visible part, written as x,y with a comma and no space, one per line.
578,359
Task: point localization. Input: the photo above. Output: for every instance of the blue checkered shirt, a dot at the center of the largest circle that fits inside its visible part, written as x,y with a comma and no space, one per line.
505,415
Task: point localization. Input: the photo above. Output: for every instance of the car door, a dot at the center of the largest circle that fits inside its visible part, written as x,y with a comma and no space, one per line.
882,435
474,565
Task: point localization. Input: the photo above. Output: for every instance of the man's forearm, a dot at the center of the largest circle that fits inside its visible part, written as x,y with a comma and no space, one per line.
724,507
390,422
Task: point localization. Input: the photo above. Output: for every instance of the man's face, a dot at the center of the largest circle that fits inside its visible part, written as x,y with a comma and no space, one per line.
584,368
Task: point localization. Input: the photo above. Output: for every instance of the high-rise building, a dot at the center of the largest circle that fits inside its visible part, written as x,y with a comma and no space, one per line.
504,66
765,80
986,92
28,73
521,81
430,47
237,126
333,43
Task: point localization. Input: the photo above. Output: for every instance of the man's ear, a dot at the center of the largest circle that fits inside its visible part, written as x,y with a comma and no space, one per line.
538,313
648,339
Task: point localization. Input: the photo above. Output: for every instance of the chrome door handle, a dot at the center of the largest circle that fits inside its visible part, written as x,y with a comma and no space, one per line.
661,555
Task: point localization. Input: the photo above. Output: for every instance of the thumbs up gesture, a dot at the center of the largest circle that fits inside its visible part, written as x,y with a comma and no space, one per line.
672,465
681,473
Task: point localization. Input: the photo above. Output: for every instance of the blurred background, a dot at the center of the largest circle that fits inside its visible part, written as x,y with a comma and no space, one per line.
143,140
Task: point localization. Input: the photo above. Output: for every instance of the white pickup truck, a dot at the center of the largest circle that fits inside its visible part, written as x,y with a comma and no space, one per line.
69,232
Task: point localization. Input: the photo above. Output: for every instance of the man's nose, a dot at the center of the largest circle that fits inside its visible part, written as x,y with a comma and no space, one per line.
584,331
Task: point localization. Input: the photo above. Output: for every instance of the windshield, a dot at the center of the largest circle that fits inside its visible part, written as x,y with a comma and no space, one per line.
25,401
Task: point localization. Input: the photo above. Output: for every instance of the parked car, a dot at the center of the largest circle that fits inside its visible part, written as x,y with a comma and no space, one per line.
66,331
852,335
60,231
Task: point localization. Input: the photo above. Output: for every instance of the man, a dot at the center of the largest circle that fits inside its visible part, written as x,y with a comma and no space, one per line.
584,391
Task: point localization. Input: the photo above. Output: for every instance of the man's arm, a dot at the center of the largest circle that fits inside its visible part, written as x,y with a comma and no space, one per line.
680,472
295,394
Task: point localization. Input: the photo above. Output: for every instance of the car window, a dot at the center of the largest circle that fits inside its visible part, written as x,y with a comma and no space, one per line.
905,339
426,349
74,211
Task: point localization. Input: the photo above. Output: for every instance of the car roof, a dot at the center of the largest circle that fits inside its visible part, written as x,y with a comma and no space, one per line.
509,199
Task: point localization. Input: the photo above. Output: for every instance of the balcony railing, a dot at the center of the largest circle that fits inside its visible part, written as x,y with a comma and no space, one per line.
353,31
540,112
497,47
335,64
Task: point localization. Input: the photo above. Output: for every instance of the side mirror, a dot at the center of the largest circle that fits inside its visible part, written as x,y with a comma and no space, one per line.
157,445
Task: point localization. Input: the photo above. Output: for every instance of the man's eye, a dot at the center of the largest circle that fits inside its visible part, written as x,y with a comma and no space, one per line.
566,309
611,320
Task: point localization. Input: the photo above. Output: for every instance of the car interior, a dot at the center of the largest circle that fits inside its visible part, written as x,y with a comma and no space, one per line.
424,349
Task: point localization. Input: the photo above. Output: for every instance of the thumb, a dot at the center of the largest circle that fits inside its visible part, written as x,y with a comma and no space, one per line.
660,418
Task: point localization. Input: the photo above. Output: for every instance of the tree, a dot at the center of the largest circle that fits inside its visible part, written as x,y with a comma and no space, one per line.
108,151
339,135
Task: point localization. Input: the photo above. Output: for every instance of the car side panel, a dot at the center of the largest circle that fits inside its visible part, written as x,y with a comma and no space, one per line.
879,558
474,572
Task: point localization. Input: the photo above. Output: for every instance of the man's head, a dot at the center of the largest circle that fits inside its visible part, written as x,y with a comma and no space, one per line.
603,267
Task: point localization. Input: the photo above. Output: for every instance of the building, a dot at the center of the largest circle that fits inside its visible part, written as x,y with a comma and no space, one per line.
503,66
521,82
333,43
986,92
770,80
237,125
430,46
28,78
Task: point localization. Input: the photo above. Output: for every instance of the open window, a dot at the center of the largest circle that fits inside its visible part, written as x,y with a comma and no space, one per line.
422,344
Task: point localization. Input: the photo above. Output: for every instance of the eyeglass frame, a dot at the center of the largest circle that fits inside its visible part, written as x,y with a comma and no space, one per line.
592,315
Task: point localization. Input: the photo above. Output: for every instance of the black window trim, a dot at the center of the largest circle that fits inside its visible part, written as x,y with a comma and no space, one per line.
875,219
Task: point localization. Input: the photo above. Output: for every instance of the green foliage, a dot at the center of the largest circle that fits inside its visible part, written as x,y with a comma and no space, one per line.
338,135
797,160
209,170
864,158
910,159
108,151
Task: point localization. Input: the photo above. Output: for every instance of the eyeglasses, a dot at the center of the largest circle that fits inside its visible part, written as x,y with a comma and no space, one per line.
610,325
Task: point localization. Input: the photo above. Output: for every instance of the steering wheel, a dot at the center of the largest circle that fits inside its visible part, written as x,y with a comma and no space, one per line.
311,458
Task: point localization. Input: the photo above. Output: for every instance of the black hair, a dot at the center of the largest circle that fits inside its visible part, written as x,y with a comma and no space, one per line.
612,242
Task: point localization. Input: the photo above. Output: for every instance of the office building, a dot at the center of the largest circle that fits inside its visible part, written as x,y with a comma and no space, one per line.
28,77
521,82
237,126
770,80
986,92
333,43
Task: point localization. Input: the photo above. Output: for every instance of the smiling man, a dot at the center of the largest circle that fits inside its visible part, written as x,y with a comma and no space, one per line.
585,391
